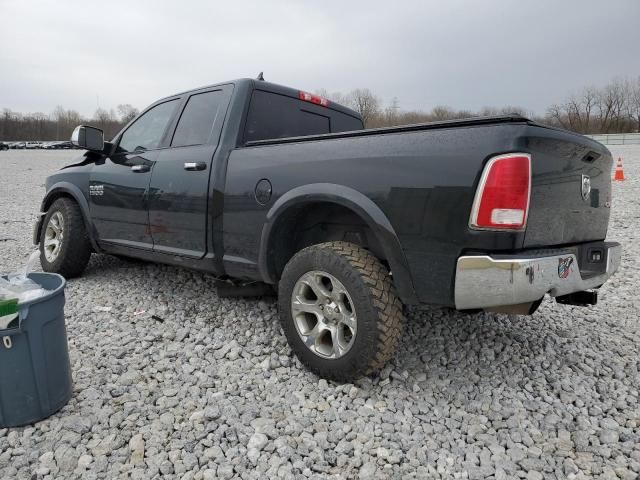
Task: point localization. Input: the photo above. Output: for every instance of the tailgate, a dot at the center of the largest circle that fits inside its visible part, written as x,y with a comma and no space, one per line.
571,188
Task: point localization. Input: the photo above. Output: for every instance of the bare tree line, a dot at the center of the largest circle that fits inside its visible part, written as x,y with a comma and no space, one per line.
61,122
374,115
613,108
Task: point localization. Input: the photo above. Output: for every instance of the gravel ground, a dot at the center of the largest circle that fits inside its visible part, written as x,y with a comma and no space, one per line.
214,391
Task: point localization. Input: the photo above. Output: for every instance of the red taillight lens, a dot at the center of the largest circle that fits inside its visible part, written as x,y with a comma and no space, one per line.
502,199
309,97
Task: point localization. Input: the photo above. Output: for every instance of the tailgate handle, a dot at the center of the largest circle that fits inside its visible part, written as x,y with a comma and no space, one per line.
195,166
591,157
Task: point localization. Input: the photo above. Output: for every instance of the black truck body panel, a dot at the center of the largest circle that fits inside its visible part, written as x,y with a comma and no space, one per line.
413,186
426,190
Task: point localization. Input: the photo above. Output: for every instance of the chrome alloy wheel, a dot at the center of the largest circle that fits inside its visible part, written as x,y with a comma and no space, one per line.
324,315
53,236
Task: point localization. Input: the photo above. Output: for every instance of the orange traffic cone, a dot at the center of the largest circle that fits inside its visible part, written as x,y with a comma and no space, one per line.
619,174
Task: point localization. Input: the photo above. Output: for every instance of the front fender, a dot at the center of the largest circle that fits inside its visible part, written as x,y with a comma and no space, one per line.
361,205
66,189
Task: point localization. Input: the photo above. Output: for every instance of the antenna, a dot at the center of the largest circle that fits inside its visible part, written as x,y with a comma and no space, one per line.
260,77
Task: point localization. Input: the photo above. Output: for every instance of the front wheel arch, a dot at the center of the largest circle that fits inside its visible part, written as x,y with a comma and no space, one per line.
64,244
68,190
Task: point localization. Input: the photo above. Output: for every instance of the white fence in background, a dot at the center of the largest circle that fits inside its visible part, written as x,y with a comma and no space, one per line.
617,138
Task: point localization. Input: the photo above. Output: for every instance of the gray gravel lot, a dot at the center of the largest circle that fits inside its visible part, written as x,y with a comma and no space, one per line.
214,391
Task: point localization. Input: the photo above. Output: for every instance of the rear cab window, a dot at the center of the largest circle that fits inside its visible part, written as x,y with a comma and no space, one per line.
274,115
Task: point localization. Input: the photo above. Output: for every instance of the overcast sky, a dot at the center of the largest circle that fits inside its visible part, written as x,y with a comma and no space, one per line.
466,54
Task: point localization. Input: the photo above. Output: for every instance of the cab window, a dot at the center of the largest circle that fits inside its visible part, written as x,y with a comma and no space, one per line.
196,121
278,116
147,131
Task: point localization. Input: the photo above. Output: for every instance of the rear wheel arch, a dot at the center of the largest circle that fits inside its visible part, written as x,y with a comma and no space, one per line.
298,209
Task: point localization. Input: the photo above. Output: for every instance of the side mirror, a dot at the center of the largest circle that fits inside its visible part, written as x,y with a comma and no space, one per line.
88,137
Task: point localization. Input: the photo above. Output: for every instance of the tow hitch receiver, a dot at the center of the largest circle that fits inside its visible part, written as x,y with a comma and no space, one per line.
581,299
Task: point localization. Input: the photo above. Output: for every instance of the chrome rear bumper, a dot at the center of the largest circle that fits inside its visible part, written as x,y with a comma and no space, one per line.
483,281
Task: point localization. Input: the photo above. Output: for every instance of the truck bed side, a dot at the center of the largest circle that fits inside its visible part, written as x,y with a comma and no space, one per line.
423,179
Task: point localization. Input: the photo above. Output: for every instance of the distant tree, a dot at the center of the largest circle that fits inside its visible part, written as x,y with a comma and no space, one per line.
58,114
102,115
577,112
442,112
365,103
488,112
556,115
65,121
633,106
514,109
611,105
335,97
127,112
107,121
7,127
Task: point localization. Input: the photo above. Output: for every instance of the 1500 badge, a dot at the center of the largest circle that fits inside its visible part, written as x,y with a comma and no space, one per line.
97,190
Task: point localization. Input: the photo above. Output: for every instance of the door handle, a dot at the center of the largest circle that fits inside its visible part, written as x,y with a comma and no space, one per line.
195,166
140,168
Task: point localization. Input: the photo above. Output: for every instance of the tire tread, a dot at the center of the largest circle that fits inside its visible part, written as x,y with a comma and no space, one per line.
76,249
383,298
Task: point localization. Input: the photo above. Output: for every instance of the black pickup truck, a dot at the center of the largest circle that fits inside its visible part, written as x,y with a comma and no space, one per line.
253,181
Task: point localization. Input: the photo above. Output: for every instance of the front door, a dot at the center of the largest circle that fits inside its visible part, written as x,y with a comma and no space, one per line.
179,188
119,184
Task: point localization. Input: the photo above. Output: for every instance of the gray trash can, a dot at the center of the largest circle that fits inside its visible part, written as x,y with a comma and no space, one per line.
35,373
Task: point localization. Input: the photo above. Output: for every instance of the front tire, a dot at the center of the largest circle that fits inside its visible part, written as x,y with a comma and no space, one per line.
64,244
339,310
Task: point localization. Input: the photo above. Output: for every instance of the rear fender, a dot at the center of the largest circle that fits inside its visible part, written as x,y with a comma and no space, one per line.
361,205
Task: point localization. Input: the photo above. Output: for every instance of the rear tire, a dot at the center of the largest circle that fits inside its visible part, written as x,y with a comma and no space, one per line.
339,310
64,243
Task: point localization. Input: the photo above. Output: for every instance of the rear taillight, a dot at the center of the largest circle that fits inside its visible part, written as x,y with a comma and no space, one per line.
309,97
502,198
